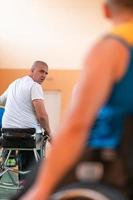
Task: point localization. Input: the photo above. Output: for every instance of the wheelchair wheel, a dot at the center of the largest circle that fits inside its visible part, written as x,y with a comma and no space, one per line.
81,191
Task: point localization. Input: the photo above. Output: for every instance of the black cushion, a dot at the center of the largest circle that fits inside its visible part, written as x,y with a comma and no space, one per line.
20,130
18,138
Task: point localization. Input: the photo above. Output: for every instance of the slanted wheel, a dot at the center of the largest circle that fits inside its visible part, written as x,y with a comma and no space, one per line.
81,191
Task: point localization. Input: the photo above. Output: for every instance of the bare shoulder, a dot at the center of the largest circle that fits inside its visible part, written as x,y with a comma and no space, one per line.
109,47
108,54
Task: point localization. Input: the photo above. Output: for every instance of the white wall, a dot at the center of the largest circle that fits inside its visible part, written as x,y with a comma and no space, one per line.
52,103
57,31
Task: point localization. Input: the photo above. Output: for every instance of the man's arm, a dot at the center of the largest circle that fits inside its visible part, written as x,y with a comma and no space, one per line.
42,115
102,69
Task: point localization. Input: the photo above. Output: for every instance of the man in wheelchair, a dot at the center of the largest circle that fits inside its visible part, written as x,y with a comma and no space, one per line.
25,114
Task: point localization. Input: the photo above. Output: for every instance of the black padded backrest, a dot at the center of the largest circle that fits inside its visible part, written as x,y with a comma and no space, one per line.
18,138
18,132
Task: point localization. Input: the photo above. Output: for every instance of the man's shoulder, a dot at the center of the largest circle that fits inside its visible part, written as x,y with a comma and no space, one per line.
26,80
37,87
18,80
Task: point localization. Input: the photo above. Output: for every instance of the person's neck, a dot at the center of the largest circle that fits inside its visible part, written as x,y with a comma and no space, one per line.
122,18
31,77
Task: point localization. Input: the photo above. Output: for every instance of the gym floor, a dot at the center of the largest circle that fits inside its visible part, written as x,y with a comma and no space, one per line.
5,194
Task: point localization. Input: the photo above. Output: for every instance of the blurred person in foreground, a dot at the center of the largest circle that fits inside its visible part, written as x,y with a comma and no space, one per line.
105,82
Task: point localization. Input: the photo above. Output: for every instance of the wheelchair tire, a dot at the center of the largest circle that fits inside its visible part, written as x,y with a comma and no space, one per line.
87,191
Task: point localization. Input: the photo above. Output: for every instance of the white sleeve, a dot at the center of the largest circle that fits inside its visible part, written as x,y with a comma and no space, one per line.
37,92
3,98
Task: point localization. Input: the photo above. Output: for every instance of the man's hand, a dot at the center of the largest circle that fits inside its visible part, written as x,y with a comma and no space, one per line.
48,135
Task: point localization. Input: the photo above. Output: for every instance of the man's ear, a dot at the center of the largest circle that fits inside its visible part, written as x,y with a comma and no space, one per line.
107,11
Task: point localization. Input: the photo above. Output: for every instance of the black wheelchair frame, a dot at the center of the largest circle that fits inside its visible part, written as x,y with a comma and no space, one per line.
19,139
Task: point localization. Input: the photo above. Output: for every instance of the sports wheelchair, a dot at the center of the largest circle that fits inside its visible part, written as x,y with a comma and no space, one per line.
19,139
89,179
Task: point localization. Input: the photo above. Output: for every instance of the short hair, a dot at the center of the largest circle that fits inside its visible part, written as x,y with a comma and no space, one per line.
38,62
127,4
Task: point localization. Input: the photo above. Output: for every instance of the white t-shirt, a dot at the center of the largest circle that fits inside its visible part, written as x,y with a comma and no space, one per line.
19,111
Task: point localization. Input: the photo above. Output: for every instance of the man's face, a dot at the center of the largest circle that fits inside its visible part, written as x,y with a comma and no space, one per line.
39,73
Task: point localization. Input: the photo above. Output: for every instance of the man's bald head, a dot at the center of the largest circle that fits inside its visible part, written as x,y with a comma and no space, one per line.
38,63
39,70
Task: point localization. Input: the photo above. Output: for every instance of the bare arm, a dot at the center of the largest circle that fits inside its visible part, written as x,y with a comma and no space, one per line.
42,115
94,87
